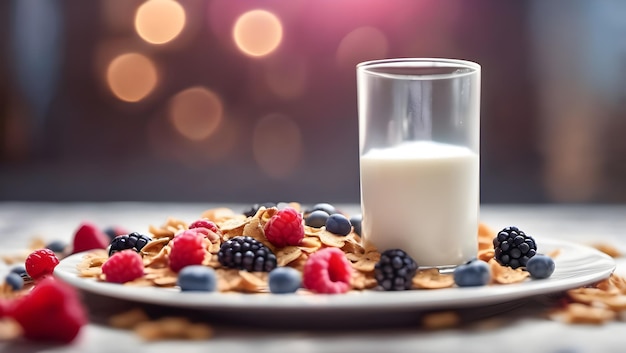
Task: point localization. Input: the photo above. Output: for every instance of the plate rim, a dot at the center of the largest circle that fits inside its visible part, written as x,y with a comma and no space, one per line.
373,300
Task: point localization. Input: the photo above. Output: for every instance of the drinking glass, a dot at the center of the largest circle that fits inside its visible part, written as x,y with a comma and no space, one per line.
419,147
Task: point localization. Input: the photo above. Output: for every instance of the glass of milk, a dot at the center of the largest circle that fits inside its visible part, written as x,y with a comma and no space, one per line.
419,136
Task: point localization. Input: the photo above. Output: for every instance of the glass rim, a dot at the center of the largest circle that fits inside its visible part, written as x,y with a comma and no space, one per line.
467,68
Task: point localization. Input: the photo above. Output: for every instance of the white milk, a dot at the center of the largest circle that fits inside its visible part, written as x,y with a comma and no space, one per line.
422,197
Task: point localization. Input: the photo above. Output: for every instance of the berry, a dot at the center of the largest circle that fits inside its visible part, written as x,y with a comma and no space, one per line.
4,308
316,219
395,270
89,237
20,270
133,241
284,280
187,249
540,266
123,266
197,278
513,247
52,311
252,210
327,271
356,221
205,223
114,231
246,253
338,224
41,263
472,274
285,228
57,246
14,281
323,206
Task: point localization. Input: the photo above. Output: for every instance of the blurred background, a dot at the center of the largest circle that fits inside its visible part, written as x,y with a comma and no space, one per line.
255,101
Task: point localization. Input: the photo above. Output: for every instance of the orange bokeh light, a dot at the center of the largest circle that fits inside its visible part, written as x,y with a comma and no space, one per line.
159,21
132,76
277,145
258,32
196,112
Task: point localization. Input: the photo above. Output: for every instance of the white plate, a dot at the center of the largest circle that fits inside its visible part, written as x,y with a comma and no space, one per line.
577,265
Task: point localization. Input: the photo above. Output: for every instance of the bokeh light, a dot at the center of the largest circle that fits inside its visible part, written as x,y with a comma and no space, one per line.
132,76
258,32
159,21
277,145
196,112
361,44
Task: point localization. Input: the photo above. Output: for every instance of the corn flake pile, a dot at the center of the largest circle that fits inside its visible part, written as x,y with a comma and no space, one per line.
362,256
601,302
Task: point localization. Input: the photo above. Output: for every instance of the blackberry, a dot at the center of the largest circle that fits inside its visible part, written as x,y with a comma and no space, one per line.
246,253
395,270
513,247
252,210
133,241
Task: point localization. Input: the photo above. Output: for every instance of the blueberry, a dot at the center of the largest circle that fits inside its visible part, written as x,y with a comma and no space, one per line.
20,270
356,221
473,274
14,280
540,266
326,207
111,232
284,280
316,219
197,278
338,224
57,246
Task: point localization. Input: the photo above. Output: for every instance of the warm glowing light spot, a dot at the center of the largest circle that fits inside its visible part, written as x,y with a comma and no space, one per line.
196,112
277,145
258,32
287,78
131,77
159,21
363,43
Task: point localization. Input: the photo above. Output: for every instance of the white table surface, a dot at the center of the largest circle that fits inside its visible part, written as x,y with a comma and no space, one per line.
512,331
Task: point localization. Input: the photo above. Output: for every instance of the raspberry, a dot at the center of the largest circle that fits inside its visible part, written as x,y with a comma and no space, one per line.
205,223
88,237
4,308
41,263
123,266
327,271
52,311
285,228
187,249
395,270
